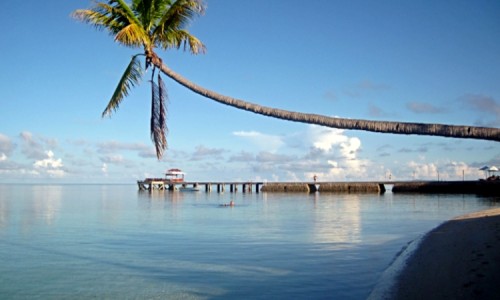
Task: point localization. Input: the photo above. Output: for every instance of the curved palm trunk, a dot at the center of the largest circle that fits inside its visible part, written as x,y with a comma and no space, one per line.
471,132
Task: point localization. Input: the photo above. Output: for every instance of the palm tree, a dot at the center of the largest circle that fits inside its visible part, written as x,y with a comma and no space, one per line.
146,24
152,24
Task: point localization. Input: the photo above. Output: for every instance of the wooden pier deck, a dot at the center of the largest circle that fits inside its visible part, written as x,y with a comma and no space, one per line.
220,187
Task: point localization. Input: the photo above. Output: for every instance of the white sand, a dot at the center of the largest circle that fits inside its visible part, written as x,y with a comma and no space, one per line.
459,259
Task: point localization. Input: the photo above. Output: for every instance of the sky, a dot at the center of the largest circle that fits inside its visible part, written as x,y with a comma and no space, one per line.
416,61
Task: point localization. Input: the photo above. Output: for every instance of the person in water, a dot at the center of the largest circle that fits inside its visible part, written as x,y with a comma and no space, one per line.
231,203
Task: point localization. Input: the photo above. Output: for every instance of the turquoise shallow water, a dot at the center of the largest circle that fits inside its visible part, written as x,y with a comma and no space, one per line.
111,241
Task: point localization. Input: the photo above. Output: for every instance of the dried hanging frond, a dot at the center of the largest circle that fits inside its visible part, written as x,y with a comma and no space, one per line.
163,97
158,115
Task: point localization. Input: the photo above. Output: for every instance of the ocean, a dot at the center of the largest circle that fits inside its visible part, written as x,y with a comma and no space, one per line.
114,242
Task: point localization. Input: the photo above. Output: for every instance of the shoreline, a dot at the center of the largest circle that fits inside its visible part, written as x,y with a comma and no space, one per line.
459,259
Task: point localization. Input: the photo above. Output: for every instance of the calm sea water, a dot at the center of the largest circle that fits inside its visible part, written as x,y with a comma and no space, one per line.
111,241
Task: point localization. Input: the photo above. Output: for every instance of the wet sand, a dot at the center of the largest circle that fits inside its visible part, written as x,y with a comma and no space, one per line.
459,259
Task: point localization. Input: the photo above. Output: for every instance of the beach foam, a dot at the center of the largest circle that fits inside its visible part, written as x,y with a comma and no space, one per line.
388,279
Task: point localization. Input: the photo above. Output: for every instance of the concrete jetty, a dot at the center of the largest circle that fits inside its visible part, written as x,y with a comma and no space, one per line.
449,187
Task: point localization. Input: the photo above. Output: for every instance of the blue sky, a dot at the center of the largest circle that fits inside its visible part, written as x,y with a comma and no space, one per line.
417,61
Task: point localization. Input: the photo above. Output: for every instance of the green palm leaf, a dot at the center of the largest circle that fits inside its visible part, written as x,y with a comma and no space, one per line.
131,35
180,14
117,18
130,78
126,11
170,32
149,11
103,16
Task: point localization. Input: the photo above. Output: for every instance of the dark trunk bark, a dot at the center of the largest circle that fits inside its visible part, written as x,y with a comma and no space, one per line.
455,131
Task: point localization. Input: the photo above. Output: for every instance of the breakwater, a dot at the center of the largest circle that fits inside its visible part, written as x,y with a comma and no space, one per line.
325,187
295,187
352,187
449,187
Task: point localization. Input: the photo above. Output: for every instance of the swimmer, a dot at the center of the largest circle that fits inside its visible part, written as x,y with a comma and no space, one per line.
231,203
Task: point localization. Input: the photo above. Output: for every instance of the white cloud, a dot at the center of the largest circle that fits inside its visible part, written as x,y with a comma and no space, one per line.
113,159
34,146
486,105
56,173
50,166
350,147
112,147
363,87
339,153
325,152
264,142
264,157
203,152
115,146
331,154
48,162
448,170
6,146
326,139
460,170
424,108
423,170
243,156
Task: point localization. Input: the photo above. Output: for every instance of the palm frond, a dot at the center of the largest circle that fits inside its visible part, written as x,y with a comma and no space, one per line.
130,78
103,16
158,116
195,45
127,11
163,109
149,11
182,12
154,113
182,38
118,19
131,35
175,18
98,18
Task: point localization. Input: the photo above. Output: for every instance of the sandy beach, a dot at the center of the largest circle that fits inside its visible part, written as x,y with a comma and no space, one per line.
460,259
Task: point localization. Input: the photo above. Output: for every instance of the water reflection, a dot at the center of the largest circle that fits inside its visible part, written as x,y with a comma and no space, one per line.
161,205
161,195
26,207
117,243
337,221
4,207
45,204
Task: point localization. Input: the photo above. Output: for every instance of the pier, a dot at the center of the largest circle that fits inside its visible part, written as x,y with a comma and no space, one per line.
377,187
220,187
